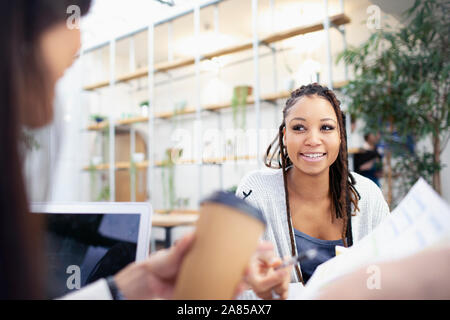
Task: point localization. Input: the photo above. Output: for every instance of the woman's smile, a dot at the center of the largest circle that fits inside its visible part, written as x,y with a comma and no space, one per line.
313,157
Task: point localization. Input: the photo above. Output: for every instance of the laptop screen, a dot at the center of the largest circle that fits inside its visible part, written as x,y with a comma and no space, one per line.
82,248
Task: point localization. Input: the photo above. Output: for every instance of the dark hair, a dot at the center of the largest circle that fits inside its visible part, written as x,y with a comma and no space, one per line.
25,94
342,190
366,136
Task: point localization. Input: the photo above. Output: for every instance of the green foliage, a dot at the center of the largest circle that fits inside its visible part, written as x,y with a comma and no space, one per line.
104,194
420,164
93,177
401,84
179,109
29,141
145,104
133,171
232,189
168,177
97,118
239,105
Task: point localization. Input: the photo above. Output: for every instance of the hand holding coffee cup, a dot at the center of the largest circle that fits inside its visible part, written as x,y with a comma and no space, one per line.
227,234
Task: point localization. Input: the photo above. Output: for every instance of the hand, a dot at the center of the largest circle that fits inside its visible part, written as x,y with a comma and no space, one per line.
262,277
398,279
155,277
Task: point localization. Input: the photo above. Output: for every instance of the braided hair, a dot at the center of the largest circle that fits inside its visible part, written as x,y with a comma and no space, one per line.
342,190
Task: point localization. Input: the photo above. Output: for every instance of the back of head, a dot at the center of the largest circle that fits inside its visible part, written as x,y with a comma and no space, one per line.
24,98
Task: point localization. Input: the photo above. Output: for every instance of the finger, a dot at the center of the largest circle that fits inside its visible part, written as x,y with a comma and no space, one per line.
241,287
266,255
183,245
165,263
273,278
276,262
282,290
266,259
266,295
264,246
179,250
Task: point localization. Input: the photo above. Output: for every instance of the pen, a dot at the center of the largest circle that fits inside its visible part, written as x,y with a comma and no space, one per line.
308,255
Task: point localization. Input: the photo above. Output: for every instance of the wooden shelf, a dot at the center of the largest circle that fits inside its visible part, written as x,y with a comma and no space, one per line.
97,85
132,120
190,110
144,164
209,161
118,166
98,126
335,20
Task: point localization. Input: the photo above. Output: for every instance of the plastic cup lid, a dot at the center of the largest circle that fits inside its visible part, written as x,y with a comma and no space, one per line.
230,200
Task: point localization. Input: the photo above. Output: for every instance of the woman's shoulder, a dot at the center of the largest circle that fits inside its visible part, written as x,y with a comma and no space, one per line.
263,177
373,208
371,196
261,184
365,186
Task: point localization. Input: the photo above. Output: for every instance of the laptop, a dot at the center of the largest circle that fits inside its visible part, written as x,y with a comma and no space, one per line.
89,241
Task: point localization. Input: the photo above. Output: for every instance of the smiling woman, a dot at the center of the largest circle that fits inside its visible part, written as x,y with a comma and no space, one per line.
312,201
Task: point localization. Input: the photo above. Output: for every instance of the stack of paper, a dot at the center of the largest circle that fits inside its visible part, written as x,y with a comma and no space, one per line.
421,221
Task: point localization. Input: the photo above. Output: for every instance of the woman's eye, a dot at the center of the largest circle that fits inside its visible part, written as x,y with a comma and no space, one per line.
298,127
327,127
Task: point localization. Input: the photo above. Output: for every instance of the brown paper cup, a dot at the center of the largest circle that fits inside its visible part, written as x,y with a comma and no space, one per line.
228,232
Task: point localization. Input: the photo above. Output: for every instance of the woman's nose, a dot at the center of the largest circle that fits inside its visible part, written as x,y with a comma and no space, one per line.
313,138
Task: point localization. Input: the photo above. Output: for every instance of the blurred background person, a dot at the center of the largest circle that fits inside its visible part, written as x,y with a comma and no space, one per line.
368,161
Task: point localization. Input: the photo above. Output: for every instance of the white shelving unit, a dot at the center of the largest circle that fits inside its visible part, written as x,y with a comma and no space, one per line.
197,109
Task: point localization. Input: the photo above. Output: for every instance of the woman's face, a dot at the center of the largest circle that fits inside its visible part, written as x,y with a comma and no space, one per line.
312,135
59,46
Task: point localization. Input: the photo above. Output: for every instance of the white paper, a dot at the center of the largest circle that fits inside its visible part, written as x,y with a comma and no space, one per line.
420,221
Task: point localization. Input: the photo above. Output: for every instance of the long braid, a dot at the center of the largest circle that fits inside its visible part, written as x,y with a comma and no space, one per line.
340,188
286,192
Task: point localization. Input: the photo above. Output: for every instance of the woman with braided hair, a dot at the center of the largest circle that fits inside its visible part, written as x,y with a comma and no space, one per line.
311,200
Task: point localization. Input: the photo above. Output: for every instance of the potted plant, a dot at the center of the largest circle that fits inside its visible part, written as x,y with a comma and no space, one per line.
95,161
104,194
144,106
137,157
168,177
30,141
97,118
179,108
232,189
239,104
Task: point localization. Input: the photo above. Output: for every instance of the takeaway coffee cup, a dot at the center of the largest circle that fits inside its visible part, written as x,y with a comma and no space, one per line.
227,234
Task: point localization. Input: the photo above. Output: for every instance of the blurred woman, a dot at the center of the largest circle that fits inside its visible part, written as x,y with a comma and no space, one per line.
37,48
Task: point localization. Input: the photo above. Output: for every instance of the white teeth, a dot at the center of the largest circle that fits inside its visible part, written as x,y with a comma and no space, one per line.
313,155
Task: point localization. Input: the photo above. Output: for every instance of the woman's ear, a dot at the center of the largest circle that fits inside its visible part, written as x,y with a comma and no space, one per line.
284,135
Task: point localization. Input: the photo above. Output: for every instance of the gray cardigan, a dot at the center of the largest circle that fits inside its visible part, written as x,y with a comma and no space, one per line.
264,189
